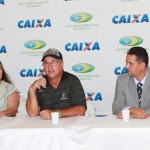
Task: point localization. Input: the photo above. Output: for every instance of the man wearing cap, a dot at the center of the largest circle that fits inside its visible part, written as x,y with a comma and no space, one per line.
57,91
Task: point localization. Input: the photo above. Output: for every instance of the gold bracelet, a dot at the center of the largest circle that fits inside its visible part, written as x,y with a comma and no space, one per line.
60,113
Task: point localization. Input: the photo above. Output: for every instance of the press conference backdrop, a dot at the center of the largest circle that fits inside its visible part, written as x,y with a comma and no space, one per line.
93,36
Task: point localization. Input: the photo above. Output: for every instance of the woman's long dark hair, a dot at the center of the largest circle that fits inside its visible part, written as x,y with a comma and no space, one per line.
5,76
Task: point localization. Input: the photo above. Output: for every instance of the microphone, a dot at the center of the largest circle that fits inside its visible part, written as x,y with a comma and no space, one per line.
41,87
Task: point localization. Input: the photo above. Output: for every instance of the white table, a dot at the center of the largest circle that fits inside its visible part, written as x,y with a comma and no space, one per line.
74,133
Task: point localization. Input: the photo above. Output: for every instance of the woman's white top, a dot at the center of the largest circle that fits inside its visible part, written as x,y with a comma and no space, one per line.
6,89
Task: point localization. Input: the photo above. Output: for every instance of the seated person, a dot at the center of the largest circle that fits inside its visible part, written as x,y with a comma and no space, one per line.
128,93
57,91
9,95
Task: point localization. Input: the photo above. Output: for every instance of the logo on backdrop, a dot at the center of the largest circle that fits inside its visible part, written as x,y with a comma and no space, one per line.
94,96
34,48
39,23
86,46
120,70
83,68
139,18
81,21
31,72
35,44
3,49
131,41
81,17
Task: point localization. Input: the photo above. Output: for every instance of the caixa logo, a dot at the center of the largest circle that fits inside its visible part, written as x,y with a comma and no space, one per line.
120,70
83,68
94,96
3,49
86,46
130,19
131,41
2,2
34,23
31,72
80,17
35,44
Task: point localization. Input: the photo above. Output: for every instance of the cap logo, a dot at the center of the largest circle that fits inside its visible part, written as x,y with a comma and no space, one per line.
54,52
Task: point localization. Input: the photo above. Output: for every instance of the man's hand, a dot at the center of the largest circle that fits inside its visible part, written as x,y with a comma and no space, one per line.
135,113
119,115
138,113
46,114
38,83
1,114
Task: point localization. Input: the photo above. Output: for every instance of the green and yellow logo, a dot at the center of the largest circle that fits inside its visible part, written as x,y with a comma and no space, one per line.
81,17
83,68
35,44
131,40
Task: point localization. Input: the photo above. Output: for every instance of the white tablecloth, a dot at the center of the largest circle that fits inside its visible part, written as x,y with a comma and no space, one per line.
74,133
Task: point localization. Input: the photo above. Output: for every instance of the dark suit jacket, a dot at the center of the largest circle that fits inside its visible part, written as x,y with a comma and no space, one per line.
126,94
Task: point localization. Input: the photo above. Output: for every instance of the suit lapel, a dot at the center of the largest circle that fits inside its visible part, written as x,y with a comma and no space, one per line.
133,88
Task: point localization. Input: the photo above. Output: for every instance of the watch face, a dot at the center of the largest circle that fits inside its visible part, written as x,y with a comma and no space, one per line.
60,114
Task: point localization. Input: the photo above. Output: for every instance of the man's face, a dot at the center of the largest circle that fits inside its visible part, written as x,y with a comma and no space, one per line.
52,67
133,66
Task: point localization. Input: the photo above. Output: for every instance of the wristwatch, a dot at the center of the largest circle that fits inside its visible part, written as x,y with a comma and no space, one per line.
60,113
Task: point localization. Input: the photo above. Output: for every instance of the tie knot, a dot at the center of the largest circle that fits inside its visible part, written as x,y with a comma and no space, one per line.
139,85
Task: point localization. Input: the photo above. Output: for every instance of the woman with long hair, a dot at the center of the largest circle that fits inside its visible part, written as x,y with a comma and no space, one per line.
9,95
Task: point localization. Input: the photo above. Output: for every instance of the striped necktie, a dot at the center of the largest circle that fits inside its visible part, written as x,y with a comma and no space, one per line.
139,91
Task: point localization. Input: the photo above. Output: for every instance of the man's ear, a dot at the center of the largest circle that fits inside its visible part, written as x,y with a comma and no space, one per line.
143,65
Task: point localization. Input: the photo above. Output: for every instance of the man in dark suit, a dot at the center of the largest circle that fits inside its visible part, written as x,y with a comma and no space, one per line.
127,95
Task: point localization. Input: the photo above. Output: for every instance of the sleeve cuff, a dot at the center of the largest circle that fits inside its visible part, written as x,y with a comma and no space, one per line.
126,108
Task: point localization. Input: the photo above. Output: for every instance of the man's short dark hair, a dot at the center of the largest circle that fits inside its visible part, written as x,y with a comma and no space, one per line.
140,53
